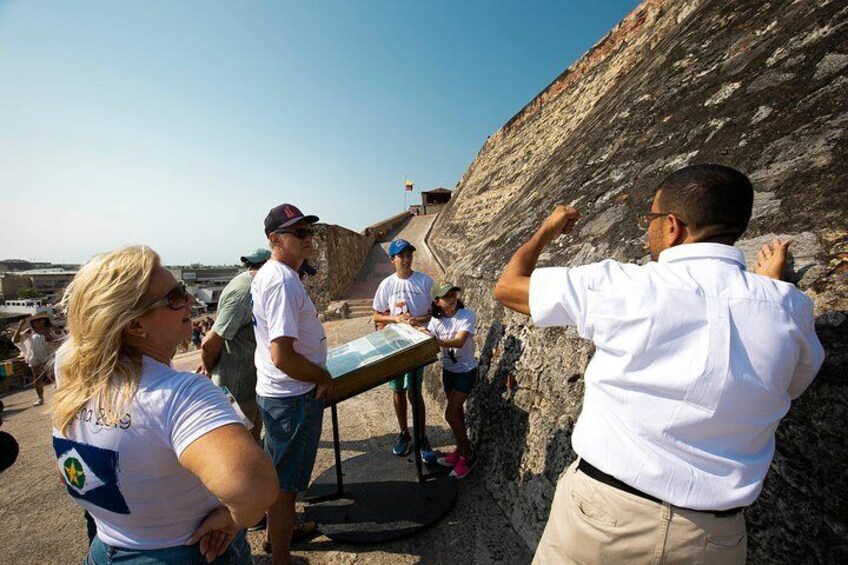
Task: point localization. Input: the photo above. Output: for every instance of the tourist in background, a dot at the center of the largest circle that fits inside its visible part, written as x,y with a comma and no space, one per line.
696,362
158,457
35,344
452,324
227,351
404,298
196,335
291,378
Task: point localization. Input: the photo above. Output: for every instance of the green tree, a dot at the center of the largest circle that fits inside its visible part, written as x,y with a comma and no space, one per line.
29,292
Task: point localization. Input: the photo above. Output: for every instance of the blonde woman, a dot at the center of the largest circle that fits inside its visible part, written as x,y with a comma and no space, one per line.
158,457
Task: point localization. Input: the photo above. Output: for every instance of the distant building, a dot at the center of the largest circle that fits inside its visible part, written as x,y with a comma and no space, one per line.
205,276
17,265
48,282
432,201
206,283
27,306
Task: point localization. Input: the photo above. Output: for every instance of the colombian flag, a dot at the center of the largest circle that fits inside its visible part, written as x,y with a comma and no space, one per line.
409,185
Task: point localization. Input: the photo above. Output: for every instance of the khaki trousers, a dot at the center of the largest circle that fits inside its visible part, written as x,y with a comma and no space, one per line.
594,523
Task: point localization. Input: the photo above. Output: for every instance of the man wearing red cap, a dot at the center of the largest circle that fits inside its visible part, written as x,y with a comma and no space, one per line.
291,356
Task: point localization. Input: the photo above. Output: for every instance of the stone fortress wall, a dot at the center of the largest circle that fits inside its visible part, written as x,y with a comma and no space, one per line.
760,86
342,248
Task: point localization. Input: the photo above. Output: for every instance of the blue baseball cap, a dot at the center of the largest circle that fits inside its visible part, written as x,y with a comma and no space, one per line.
399,245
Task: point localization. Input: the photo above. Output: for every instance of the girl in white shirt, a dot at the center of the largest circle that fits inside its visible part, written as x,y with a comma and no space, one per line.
452,324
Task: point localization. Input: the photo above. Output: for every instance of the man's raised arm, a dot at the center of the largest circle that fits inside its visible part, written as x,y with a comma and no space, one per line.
513,288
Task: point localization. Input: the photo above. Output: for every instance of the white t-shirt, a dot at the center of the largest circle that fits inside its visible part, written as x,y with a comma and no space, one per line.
128,476
35,349
281,308
446,328
397,296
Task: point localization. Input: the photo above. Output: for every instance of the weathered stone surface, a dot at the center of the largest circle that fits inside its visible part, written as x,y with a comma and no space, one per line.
339,254
756,85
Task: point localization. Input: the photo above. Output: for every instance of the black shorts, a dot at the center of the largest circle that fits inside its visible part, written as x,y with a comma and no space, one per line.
460,382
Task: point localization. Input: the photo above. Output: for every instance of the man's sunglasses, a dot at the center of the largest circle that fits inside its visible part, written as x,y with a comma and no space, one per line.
176,299
300,233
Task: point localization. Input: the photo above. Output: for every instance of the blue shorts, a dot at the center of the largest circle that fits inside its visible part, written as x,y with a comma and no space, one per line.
401,383
103,554
292,432
460,382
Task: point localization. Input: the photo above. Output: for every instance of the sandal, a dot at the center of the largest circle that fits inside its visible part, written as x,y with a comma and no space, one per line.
302,531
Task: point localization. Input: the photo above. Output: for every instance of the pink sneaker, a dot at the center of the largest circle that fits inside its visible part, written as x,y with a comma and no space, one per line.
463,467
449,460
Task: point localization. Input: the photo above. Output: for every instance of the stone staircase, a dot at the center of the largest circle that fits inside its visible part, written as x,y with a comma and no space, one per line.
347,309
359,308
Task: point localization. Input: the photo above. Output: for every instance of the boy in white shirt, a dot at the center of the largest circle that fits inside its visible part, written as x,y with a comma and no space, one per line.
404,297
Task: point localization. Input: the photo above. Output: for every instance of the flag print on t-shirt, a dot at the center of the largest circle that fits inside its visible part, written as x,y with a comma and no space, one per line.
91,474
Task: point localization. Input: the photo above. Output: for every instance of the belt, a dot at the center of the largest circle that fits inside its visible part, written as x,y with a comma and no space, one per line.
591,471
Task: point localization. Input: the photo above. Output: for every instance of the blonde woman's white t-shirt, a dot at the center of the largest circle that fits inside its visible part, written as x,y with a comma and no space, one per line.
128,475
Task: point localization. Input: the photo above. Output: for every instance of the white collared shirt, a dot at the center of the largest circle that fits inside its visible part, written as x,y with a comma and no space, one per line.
696,362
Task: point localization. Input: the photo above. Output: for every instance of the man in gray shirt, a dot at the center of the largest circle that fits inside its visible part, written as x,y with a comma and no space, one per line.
227,350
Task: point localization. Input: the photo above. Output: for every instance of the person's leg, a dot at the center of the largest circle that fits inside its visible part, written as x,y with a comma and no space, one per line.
280,527
304,415
455,416
400,411
39,388
38,374
422,416
283,418
418,374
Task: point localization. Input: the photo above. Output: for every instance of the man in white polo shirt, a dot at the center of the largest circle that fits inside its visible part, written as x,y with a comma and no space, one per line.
696,362
291,378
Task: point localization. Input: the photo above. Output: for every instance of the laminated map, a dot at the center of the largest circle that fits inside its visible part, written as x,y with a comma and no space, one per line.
376,358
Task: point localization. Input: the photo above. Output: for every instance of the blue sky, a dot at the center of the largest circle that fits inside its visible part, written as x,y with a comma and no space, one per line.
180,124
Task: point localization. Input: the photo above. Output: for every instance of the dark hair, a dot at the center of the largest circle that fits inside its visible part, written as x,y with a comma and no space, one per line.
436,310
714,201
